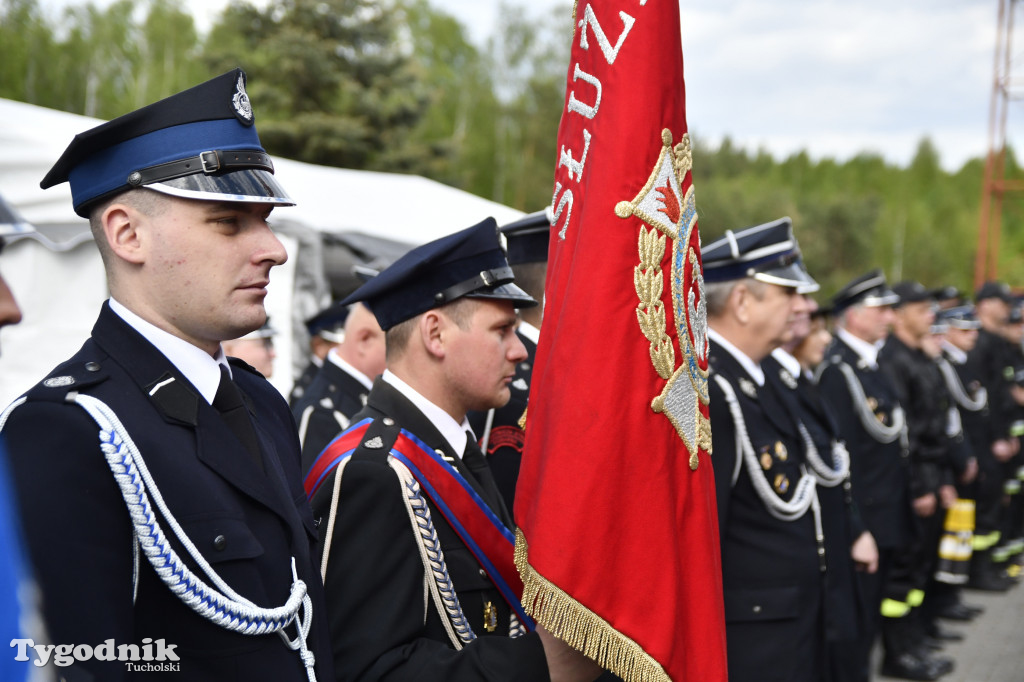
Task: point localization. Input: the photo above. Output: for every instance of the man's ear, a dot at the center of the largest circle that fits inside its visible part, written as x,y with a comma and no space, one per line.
431,328
121,224
742,298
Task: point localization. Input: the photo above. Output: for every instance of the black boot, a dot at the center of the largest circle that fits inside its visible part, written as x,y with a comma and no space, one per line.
984,574
902,658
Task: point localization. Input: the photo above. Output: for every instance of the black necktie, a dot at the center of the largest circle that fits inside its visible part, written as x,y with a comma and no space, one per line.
228,401
477,464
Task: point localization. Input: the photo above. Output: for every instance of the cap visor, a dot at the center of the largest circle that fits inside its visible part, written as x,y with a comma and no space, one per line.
792,275
505,292
250,185
882,298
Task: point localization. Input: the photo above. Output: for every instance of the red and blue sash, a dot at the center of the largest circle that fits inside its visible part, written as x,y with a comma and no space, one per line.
490,541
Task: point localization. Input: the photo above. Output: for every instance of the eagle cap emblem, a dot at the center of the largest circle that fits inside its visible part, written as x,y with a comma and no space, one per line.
240,101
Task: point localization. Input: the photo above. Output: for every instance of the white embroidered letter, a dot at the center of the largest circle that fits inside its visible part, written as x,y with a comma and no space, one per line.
610,53
575,167
578,106
566,198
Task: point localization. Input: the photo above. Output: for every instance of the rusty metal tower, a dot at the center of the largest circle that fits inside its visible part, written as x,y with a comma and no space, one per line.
995,184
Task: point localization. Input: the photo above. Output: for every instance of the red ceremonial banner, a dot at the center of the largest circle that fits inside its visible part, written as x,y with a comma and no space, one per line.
618,531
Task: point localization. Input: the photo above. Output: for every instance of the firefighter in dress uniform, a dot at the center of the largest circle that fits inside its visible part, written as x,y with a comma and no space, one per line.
411,597
871,424
923,398
848,544
158,482
772,544
499,430
991,362
972,401
340,388
326,330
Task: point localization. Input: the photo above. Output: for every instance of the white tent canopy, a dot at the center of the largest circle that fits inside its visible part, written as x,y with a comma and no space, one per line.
61,285
406,208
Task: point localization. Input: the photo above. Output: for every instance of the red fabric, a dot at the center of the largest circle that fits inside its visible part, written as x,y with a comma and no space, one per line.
612,513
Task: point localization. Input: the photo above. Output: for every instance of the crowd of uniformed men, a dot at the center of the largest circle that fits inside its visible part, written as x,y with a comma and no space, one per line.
866,450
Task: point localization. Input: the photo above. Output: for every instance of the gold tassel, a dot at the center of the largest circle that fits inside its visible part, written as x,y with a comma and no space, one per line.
581,628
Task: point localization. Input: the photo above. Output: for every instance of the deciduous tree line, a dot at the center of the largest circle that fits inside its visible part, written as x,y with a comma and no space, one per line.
398,86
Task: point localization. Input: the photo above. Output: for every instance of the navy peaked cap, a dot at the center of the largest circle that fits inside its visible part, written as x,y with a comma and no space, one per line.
768,253
330,320
959,317
991,289
470,263
198,144
526,239
869,289
910,291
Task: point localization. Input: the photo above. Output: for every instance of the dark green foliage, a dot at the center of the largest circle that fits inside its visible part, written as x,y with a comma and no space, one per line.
919,222
397,85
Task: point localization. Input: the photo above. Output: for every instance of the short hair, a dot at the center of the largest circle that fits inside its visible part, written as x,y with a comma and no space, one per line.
530,278
716,294
460,311
146,201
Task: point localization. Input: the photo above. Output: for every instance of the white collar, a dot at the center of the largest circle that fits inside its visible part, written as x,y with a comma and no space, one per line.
956,355
786,359
451,430
529,331
339,361
752,368
195,364
868,352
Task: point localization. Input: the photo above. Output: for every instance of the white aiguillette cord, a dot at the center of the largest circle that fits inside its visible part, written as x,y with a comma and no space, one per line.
225,607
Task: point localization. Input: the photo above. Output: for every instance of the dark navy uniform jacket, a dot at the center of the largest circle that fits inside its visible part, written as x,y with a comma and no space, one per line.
925,398
991,363
302,383
771,571
506,438
326,408
878,471
840,521
246,523
383,624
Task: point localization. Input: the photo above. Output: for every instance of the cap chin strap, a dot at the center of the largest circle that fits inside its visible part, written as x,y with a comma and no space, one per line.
209,162
487,278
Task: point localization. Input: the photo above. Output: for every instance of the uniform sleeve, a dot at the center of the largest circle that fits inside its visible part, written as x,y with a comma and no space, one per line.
377,601
76,528
723,449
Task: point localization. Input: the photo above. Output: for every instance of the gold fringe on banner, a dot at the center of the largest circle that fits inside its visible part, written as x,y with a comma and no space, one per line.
581,628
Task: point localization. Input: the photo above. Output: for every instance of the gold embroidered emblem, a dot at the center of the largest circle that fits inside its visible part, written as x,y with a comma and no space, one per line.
490,617
672,214
880,416
781,484
766,461
872,404
781,452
